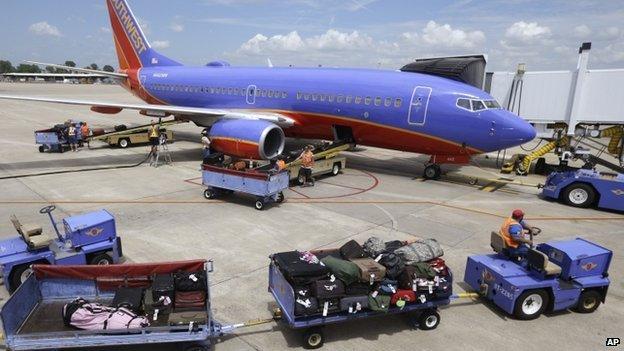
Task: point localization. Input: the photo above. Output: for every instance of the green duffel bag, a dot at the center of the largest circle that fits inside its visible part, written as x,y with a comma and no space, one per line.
346,271
379,303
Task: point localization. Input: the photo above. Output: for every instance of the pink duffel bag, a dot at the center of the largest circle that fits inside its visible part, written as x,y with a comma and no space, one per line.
83,314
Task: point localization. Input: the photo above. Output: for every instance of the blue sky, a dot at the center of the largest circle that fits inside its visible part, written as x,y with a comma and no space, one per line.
348,33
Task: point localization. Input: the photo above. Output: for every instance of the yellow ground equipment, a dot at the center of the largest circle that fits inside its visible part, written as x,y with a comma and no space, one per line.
522,163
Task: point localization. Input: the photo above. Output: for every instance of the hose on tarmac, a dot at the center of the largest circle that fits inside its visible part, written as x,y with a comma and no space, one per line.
77,170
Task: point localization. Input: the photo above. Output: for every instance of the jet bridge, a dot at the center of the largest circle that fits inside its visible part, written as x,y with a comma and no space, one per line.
566,107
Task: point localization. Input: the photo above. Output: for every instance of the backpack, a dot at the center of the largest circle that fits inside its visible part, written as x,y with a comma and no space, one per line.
83,314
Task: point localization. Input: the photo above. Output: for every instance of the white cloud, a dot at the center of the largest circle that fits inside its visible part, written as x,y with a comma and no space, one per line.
176,27
582,31
445,36
44,28
105,30
527,32
160,44
335,40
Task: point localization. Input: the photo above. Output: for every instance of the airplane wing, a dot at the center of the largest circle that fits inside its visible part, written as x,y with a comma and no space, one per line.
201,116
82,70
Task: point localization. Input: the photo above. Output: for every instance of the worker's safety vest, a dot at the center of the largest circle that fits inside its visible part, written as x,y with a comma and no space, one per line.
85,131
153,132
504,232
281,165
307,160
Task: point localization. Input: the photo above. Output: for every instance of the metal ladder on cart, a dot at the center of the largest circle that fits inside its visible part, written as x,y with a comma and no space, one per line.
161,149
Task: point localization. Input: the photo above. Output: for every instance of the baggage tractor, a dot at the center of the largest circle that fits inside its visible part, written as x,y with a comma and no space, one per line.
354,304
344,270
352,250
189,299
325,289
130,298
299,272
305,306
370,271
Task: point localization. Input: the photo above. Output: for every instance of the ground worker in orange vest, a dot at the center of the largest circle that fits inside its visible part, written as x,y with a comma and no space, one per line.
84,131
307,163
513,232
281,164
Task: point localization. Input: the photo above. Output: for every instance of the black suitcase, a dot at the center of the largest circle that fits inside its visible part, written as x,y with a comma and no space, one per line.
357,289
329,306
352,250
194,281
163,285
305,306
297,271
325,289
130,298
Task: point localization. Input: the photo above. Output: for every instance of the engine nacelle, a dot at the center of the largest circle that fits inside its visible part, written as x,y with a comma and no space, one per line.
244,138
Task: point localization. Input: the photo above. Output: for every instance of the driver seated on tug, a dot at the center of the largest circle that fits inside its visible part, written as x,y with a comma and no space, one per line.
513,232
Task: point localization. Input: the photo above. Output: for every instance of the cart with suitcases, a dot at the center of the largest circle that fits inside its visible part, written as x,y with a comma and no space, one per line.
266,186
307,299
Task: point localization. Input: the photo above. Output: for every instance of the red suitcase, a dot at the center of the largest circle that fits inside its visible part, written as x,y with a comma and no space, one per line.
405,295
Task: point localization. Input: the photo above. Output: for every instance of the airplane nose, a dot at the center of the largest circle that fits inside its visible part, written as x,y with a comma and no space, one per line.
513,130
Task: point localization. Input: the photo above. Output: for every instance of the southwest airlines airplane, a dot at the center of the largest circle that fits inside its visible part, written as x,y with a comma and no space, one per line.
250,111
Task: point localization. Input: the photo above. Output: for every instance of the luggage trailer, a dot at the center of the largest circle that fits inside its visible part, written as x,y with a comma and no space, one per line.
423,316
32,318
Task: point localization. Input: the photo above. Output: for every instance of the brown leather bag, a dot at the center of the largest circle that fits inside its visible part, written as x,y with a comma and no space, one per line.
190,299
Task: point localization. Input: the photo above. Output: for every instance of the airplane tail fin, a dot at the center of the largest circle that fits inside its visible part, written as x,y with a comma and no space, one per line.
133,49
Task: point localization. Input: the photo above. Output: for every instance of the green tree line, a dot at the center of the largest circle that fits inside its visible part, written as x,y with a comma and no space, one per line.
7,67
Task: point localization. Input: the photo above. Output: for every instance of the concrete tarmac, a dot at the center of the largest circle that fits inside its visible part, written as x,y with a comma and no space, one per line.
162,216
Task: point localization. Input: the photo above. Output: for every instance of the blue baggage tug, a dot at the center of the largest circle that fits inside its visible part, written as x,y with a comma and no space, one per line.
55,139
89,238
559,275
585,188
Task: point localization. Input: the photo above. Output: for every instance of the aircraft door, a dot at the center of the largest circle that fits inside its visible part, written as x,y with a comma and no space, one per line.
251,94
418,106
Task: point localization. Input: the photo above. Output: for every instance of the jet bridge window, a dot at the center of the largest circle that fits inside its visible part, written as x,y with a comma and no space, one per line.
464,103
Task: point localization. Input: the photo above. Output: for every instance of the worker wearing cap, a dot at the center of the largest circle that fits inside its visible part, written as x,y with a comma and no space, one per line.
512,232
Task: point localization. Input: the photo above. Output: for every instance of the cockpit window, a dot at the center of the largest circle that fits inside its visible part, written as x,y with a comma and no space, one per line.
492,104
477,105
463,103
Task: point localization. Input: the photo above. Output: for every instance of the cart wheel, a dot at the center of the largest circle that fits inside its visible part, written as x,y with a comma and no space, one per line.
428,320
531,304
280,197
101,260
18,276
335,169
210,194
313,338
123,143
259,205
588,302
41,148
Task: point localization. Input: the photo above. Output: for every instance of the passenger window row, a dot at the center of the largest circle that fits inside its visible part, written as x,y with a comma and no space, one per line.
348,99
219,90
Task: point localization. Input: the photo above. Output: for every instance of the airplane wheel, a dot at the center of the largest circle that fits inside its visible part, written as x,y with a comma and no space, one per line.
588,302
531,304
432,171
579,195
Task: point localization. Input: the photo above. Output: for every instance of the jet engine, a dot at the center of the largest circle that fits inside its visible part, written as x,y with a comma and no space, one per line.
244,138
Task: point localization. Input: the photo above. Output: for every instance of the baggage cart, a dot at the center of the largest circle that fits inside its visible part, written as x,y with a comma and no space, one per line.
32,317
422,315
267,187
